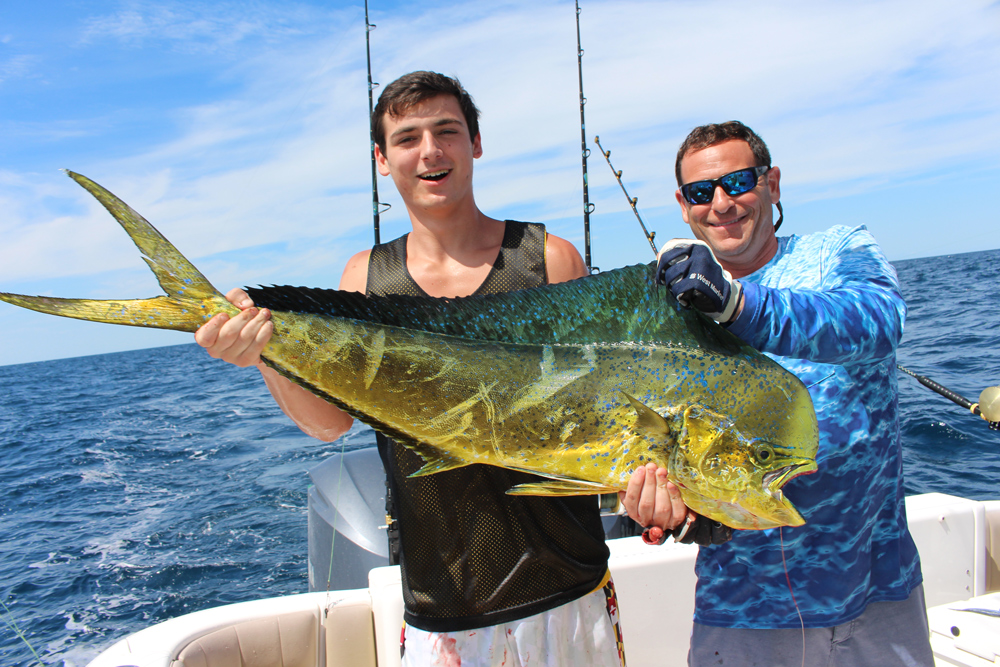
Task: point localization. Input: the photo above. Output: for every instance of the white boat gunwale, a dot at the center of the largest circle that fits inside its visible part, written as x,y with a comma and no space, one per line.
958,540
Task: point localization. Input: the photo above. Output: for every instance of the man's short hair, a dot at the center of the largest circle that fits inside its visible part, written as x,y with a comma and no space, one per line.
716,133
410,90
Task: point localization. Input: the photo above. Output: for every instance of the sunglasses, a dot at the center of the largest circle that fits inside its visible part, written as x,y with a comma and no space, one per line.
733,183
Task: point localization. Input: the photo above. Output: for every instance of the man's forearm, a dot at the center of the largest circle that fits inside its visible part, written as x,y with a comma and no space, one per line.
844,326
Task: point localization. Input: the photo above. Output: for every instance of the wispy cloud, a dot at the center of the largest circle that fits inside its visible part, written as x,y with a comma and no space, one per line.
203,27
15,67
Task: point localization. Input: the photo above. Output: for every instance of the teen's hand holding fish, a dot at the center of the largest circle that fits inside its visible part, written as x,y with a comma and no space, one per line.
240,339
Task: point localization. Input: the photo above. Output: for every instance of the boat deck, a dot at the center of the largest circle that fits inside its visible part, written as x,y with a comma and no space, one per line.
958,539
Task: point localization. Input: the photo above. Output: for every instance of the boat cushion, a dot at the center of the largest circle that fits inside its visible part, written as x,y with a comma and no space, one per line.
350,634
992,546
286,640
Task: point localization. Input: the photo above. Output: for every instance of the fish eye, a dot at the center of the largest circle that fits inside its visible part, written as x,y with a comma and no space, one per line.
763,452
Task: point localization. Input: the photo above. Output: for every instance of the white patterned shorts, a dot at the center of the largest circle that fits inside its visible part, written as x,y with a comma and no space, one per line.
581,633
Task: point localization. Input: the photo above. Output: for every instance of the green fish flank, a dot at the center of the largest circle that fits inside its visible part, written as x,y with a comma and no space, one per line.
579,383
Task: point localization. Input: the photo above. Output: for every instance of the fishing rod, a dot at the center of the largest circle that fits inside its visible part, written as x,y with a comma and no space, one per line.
988,406
588,208
376,212
376,204
631,200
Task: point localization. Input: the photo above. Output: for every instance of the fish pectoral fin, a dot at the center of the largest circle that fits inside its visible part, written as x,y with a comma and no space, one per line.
437,461
647,419
560,487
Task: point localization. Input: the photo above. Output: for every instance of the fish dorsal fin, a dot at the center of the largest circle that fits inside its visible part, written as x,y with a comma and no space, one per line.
623,305
648,420
560,487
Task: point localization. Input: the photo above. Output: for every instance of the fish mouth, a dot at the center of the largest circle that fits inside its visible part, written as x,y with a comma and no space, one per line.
776,510
434,175
774,480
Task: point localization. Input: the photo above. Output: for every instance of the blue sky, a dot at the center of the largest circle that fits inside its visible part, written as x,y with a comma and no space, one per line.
240,129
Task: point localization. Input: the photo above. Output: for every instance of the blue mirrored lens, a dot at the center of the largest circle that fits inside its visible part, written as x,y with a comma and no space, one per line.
735,183
739,182
699,193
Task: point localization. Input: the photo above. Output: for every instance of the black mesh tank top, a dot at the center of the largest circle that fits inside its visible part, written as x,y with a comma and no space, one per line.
471,555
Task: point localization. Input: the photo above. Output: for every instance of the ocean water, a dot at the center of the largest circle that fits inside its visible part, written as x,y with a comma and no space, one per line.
138,486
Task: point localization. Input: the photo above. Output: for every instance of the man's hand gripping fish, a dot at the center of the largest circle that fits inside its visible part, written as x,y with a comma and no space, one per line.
579,382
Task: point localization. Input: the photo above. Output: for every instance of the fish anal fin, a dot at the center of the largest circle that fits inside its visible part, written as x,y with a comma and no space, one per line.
435,461
560,487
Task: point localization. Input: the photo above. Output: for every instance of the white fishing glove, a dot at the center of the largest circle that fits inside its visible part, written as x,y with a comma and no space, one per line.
691,271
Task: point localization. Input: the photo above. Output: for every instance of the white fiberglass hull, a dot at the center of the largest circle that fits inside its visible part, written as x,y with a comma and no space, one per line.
958,539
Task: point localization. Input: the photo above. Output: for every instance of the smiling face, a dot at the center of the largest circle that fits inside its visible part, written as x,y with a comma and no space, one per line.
738,228
429,154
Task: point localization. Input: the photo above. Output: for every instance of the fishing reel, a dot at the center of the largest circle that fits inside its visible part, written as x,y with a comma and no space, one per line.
988,407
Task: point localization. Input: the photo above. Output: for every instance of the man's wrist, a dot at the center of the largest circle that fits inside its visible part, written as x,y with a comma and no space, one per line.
744,316
732,306
736,311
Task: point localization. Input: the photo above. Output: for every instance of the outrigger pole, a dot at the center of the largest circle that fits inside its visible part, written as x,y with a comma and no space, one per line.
376,204
631,200
588,208
988,406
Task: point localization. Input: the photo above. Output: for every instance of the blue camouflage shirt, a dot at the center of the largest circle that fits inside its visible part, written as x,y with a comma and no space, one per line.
827,307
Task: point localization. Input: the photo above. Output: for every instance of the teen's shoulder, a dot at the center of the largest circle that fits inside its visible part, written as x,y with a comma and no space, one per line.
562,260
355,276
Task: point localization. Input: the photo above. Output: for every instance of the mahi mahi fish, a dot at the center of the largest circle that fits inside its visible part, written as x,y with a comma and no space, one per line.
579,383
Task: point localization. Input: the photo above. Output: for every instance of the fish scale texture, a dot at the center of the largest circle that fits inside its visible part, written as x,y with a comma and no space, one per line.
471,555
827,307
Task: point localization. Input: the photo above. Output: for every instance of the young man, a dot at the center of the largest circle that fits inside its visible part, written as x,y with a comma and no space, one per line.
827,307
488,578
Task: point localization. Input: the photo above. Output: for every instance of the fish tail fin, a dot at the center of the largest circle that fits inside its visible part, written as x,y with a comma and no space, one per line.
190,299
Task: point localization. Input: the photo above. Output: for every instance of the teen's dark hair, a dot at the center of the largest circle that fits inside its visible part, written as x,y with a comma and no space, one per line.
716,133
410,90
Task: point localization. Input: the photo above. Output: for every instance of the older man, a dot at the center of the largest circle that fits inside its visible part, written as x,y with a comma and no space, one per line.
844,589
